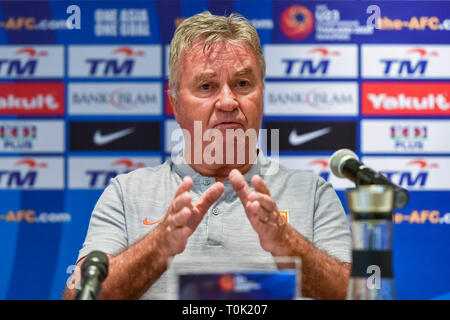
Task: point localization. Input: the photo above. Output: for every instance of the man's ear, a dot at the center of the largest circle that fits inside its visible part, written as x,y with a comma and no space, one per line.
173,103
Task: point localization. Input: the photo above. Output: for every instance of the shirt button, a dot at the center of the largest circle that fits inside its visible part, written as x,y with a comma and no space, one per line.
215,211
206,182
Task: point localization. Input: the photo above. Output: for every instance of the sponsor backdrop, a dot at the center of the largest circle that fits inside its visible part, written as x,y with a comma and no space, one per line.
80,105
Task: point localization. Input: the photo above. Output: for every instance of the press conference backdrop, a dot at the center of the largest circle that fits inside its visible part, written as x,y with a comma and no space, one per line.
79,106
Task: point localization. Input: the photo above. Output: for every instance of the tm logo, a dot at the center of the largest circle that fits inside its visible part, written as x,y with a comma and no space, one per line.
25,63
123,65
412,178
312,66
100,178
19,178
321,167
415,66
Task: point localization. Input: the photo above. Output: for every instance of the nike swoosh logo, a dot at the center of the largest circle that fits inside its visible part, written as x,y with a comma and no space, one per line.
298,139
148,223
102,139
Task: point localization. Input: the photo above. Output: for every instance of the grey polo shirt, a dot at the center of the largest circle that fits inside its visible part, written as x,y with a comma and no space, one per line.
308,202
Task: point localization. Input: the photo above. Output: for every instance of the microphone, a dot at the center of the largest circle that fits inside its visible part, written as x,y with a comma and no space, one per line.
93,272
344,163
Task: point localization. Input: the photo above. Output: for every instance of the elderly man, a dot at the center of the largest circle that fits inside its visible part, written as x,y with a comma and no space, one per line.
222,209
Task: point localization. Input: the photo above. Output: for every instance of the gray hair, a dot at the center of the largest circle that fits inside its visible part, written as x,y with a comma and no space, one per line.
212,29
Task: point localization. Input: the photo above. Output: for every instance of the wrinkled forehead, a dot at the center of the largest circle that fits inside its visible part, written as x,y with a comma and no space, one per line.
223,54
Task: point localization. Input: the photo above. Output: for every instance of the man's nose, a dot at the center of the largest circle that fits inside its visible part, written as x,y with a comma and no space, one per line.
227,100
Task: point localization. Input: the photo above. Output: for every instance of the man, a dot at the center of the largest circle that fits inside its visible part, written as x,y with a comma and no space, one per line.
223,209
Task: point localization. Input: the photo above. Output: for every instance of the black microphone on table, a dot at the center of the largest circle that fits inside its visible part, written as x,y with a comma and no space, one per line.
93,272
344,163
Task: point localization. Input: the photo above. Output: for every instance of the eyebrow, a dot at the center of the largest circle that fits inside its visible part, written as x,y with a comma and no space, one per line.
210,75
204,76
244,72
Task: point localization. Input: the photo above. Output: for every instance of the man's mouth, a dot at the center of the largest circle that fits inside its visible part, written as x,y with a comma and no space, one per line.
228,125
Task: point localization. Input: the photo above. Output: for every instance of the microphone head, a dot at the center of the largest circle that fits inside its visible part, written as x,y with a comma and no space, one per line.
338,160
99,260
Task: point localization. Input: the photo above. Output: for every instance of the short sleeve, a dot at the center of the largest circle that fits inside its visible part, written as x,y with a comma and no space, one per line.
107,228
331,229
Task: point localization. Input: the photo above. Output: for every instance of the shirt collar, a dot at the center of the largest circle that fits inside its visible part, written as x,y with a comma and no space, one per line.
183,169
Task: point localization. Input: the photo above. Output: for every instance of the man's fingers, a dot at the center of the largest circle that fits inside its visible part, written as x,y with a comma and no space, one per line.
260,185
264,200
180,218
181,201
185,185
209,197
239,185
256,213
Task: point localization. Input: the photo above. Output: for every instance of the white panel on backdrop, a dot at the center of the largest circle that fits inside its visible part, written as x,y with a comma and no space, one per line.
31,136
31,61
311,98
174,139
119,61
311,61
405,136
115,98
95,172
405,61
414,173
26,173
318,165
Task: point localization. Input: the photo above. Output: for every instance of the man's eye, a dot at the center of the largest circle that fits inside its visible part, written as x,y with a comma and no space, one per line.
206,86
242,83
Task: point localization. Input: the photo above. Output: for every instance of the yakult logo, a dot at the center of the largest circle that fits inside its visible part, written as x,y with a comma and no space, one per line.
422,98
32,98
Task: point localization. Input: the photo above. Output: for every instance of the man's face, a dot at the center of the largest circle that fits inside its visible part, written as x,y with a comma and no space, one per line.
221,87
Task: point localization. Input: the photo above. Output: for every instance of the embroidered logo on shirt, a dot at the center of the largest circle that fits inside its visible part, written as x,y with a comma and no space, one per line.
149,223
285,215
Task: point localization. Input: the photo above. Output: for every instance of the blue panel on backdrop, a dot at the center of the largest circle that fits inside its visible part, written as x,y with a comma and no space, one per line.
39,217
420,245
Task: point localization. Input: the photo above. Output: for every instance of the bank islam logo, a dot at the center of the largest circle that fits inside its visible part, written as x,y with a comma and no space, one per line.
114,98
32,217
31,61
297,22
410,138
